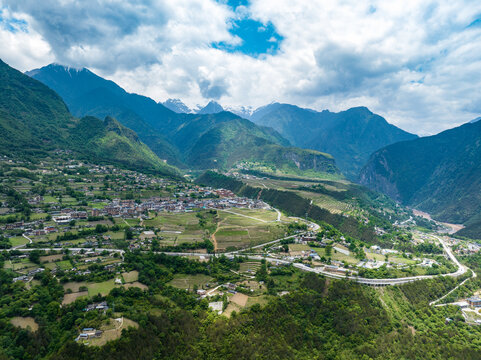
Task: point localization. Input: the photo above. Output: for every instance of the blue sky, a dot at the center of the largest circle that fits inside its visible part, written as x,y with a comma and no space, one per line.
255,38
416,63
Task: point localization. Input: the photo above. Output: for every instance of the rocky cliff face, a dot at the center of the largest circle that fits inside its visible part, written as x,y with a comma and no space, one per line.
377,175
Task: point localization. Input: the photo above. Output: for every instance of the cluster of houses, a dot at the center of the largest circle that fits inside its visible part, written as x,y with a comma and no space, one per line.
88,333
129,208
67,215
29,275
101,306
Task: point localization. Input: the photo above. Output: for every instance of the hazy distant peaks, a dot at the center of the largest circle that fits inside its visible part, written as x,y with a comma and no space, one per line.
177,106
211,108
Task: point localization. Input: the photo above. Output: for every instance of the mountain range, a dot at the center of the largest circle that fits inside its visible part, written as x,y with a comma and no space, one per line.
34,121
216,139
350,136
439,174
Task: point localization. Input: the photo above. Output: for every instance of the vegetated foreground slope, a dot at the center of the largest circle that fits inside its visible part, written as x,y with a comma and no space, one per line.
351,136
200,141
35,120
440,174
317,319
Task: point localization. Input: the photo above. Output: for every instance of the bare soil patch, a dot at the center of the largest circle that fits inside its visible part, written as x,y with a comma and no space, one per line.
239,299
25,323
70,298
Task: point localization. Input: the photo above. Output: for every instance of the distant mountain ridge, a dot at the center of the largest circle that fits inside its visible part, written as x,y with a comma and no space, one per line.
217,139
351,136
211,108
439,174
176,105
34,120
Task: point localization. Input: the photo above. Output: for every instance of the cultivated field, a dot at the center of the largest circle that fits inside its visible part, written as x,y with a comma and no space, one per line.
183,281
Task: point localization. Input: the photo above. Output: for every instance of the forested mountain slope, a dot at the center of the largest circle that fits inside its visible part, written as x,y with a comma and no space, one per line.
351,136
34,120
439,174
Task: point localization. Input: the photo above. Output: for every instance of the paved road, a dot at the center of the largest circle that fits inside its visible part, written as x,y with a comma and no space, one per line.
21,246
262,245
319,270
445,295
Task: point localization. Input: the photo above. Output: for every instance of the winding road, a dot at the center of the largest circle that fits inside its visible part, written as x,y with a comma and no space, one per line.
462,269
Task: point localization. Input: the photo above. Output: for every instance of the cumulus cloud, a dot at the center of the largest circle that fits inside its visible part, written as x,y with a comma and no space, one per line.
416,63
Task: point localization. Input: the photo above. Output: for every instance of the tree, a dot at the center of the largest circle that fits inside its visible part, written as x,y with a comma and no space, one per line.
329,250
34,256
129,234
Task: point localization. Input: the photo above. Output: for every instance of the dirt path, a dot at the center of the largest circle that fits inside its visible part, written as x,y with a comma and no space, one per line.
212,237
214,240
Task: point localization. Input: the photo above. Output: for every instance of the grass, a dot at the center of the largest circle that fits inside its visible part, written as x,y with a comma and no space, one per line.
64,265
239,231
97,205
49,258
299,247
118,235
102,288
38,216
252,266
261,300
183,281
49,199
130,276
112,330
232,233
18,240
22,264
335,255
25,323
70,298
132,222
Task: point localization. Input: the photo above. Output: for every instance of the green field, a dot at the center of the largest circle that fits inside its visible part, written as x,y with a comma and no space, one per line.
18,240
229,233
177,228
20,265
184,281
237,231
335,255
249,266
64,265
299,247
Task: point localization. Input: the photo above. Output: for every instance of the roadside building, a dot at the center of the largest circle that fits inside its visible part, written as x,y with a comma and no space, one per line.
474,301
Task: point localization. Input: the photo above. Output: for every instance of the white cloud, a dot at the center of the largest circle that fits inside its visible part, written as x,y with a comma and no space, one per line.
416,63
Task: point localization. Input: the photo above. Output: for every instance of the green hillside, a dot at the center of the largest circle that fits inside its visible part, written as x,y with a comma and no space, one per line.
440,174
351,136
34,120
108,139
